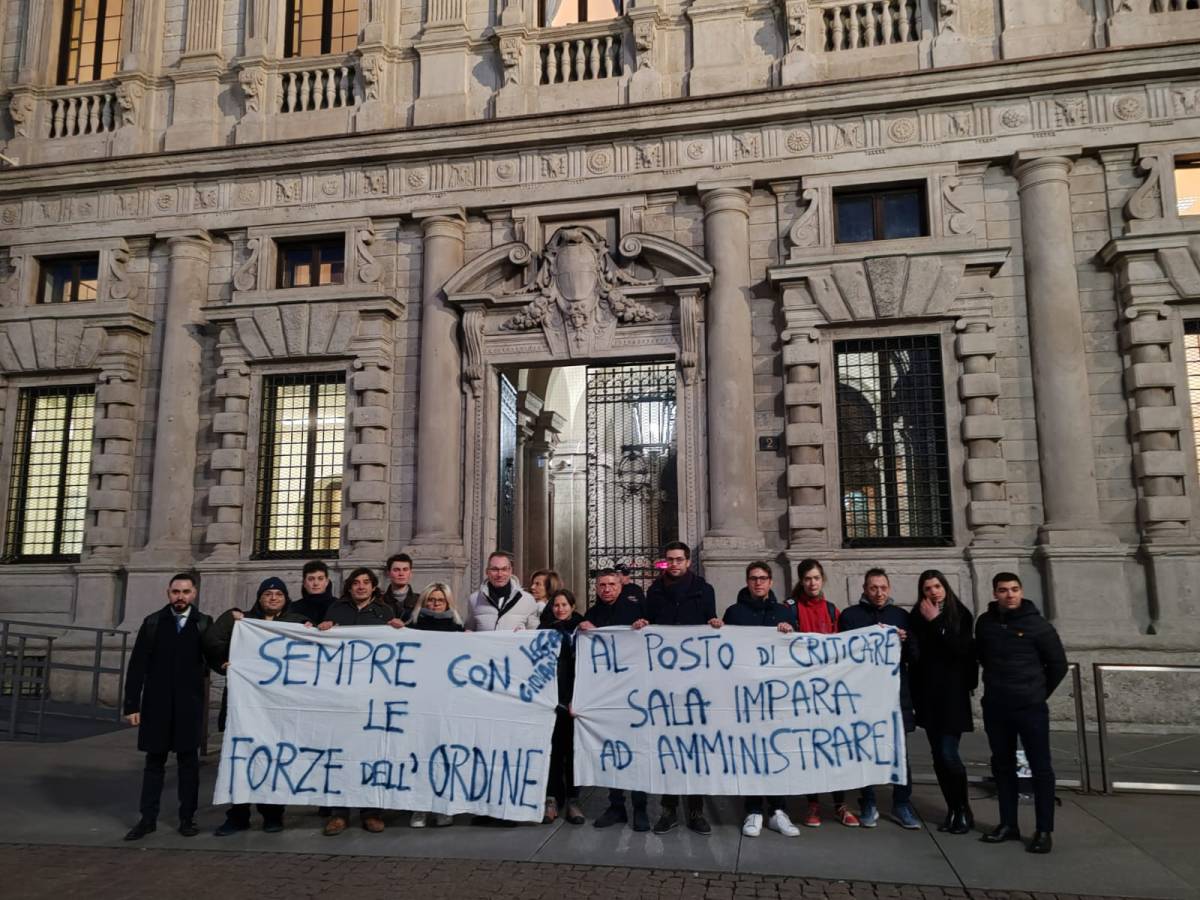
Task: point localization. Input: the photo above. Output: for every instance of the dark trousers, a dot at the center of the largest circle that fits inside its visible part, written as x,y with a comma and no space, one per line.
755,805
155,774
948,766
239,813
901,793
616,797
839,797
343,812
695,805
562,761
1032,725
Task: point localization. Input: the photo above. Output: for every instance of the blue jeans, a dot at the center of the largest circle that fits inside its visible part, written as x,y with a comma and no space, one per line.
943,745
901,793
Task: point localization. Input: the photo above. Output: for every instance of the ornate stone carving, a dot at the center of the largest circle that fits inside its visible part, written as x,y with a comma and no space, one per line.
474,366
372,75
886,287
10,294
1146,201
902,130
689,335
49,344
119,285
960,123
510,59
599,162
1071,111
947,20
643,43
252,81
1127,109
369,269
1188,99
798,140
21,108
796,16
847,135
958,219
246,277
805,231
1013,117
129,99
577,294
205,198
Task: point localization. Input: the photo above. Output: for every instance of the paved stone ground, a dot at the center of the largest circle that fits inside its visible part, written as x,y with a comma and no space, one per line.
62,873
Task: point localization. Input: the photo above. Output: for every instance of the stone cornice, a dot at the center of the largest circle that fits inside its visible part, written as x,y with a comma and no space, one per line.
1092,99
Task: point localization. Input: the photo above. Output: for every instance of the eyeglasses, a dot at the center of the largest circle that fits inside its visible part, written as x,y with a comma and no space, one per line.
758,578
676,560
499,568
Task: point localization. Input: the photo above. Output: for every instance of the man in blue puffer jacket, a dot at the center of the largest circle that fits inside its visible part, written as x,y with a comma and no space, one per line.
875,607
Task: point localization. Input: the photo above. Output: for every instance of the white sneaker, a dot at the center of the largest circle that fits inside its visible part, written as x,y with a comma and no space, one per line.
780,822
418,820
752,827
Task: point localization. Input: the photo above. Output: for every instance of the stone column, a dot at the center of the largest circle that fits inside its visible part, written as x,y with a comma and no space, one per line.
733,508
546,433
1060,385
177,422
438,528
732,482
1081,563
195,112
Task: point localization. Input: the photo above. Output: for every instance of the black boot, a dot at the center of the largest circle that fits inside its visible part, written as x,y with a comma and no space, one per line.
951,817
964,819
945,783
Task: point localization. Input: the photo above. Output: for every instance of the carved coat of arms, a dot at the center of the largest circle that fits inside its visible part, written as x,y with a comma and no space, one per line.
576,296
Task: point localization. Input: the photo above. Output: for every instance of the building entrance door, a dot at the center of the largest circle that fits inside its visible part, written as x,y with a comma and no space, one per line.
632,477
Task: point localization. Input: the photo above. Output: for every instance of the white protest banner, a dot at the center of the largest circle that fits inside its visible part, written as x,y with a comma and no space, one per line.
744,711
390,718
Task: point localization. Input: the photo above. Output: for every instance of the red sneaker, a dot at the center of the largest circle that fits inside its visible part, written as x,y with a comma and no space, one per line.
813,818
847,818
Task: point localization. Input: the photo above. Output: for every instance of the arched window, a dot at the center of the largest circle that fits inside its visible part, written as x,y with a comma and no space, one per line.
556,13
318,27
91,41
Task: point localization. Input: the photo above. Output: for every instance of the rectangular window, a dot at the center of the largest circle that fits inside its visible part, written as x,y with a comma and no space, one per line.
90,48
1187,186
879,214
312,262
68,279
892,456
301,465
319,27
1191,348
572,12
52,458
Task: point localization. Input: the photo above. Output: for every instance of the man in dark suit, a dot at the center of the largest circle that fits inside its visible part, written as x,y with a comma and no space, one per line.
164,697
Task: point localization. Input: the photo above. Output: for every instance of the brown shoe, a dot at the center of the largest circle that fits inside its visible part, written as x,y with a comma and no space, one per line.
335,825
373,824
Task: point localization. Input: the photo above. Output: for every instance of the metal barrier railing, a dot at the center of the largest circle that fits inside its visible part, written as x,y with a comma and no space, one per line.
13,647
1109,785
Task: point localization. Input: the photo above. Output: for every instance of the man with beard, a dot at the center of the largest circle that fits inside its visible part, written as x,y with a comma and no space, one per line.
272,605
164,697
680,597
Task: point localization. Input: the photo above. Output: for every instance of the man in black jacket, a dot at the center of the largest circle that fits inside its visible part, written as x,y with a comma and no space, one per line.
1023,662
164,697
615,607
316,592
875,607
680,597
629,587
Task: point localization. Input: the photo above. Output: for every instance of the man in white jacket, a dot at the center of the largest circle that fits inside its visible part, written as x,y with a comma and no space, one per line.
501,604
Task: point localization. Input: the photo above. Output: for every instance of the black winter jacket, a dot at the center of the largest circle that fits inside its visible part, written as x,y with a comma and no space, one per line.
346,612
622,611
1022,657
313,607
865,614
689,601
946,672
427,621
566,656
749,610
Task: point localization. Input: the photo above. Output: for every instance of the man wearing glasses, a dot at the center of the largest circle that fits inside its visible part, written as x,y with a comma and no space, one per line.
501,604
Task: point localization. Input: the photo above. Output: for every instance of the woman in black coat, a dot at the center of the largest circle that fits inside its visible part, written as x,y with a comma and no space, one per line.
561,791
435,610
941,681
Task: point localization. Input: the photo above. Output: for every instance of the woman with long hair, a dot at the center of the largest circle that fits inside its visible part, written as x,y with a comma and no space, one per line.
542,584
942,679
561,792
434,610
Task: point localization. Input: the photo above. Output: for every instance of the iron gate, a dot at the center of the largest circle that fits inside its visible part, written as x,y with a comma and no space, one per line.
632,493
507,474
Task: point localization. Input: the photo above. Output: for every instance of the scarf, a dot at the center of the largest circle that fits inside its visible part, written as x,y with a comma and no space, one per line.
812,615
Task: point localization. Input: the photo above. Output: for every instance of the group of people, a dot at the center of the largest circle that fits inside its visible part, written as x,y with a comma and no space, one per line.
944,648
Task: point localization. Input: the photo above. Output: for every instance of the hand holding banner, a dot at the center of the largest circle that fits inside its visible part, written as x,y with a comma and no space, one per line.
743,711
375,717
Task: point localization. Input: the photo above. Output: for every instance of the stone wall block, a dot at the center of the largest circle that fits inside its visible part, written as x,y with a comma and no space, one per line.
110,500
122,392
985,427
370,454
224,533
225,495
988,513
803,393
368,492
233,386
363,531
97,536
805,433
1164,509
1156,418
230,423
806,475
228,458
992,470
371,417
110,464
976,344
807,517
984,384
1148,375
115,428
1159,463
372,379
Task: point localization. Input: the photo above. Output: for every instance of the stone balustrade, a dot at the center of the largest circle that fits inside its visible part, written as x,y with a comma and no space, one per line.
879,23
83,110
315,87
581,57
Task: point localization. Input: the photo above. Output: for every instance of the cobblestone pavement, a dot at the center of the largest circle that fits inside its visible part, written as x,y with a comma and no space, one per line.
117,873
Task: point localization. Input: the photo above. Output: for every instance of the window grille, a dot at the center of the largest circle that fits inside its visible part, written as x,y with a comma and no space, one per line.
319,27
575,12
52,458
91,41
879,214
312,263
301,466
892,454
68,279
632,497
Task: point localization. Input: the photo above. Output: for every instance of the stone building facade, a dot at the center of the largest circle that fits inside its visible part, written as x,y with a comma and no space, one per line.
214,231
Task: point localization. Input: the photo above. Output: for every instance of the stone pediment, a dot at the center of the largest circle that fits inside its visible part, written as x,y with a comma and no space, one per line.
577,291
902,286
